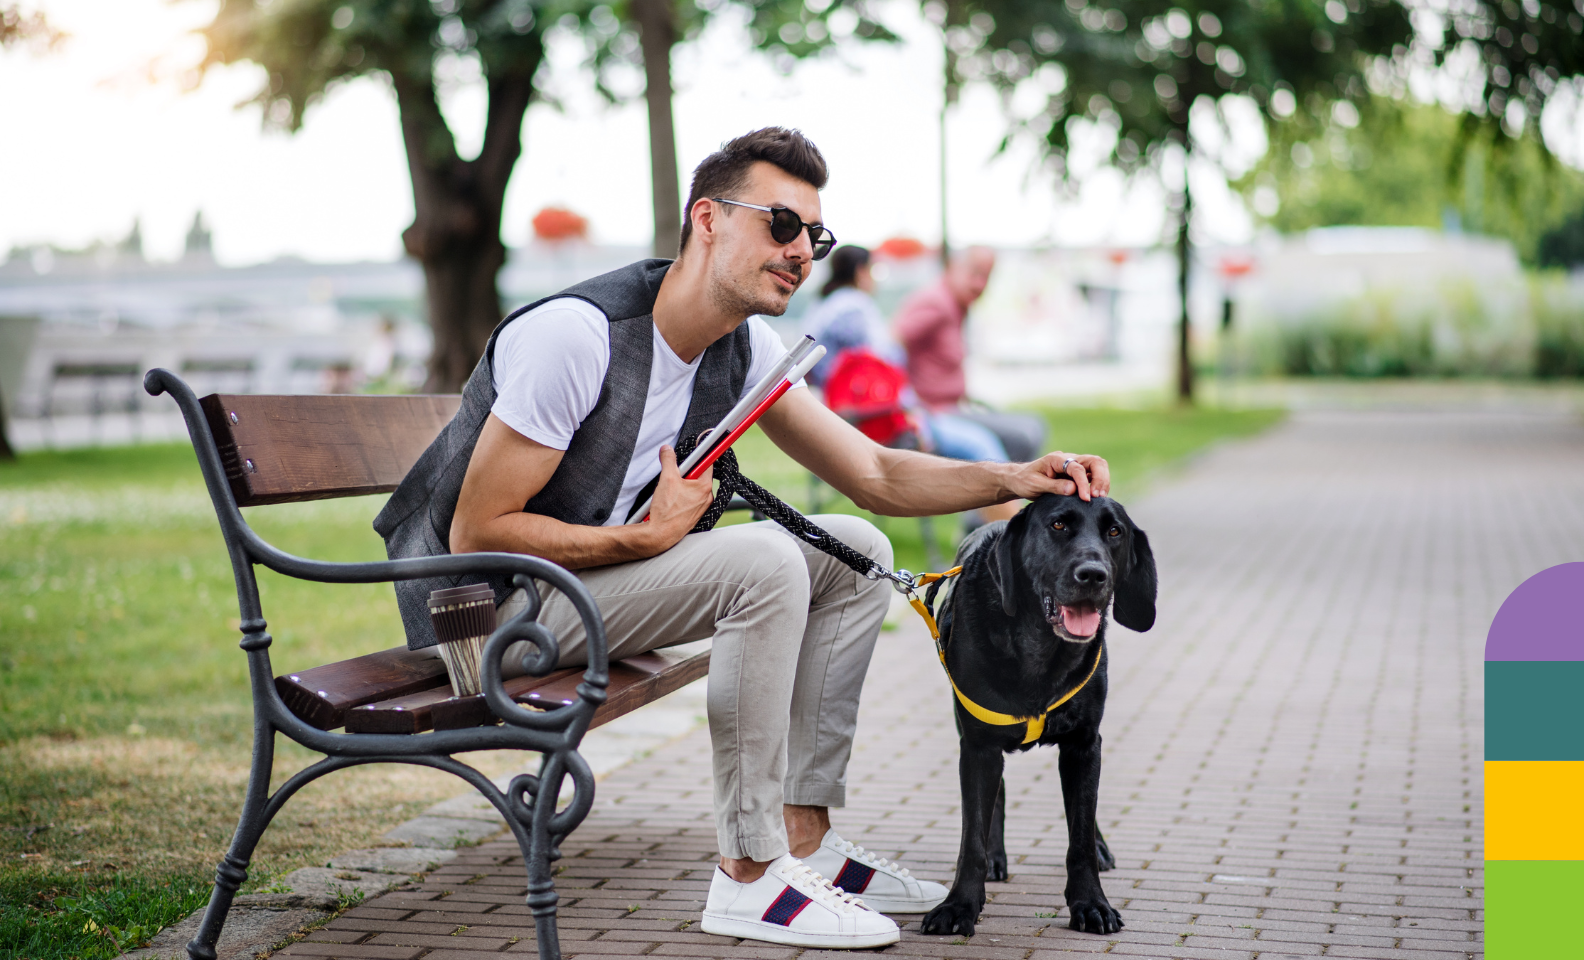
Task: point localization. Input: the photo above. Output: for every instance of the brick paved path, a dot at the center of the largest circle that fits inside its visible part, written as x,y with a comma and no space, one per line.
1292,756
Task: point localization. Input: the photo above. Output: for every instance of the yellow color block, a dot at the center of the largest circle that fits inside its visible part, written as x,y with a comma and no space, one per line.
1534,810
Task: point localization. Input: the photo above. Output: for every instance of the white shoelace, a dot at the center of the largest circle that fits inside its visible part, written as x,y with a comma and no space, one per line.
807,881
853,851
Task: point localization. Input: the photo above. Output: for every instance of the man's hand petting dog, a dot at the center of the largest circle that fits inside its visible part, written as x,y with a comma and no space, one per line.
1063,474
1023,627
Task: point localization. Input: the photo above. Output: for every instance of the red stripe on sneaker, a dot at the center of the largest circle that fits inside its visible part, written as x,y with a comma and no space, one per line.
854,877
785,908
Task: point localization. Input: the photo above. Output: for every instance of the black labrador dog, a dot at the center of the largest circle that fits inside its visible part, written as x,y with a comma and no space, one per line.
1022,627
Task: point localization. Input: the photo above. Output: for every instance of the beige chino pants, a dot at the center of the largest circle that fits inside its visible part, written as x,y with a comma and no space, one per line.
793,632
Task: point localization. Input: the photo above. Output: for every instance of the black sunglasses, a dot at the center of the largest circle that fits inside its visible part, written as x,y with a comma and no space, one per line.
785,225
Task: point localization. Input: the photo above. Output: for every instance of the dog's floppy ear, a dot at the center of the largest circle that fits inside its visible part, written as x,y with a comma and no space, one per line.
1135,591
1003,569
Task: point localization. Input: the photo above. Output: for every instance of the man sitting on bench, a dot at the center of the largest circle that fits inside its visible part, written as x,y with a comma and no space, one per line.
563,426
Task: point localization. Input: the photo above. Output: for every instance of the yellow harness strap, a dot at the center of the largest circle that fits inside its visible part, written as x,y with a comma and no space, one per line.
924,580
1036,725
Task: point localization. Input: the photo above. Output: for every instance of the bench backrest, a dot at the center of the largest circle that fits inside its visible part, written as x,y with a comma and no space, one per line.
284,449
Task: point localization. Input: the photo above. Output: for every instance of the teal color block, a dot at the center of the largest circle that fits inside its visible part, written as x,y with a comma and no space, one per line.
1534,710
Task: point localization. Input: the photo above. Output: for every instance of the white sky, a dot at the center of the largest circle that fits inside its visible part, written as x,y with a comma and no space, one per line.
102,130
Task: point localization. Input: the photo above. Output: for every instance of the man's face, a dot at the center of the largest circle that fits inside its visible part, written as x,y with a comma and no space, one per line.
969,274
750,272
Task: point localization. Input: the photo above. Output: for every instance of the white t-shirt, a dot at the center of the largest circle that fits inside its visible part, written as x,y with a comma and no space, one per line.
550,364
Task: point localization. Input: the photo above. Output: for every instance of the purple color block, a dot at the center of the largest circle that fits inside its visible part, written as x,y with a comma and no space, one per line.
1543,619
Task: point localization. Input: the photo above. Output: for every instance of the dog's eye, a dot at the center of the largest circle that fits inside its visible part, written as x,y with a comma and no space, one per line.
1114,532
1058,525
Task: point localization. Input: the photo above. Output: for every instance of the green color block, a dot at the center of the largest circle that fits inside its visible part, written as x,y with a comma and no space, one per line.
1532,909
1534,710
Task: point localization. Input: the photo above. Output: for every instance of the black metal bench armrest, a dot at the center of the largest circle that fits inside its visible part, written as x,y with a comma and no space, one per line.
248,548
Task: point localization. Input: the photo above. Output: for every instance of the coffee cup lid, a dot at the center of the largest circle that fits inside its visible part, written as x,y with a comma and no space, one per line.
466,594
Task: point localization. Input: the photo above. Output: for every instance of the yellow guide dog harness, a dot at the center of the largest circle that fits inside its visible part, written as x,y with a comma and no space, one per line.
1035,725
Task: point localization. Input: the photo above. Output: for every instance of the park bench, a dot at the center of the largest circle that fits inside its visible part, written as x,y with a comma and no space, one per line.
396,705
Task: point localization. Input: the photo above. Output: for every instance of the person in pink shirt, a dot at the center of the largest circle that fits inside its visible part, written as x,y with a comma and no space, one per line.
929,325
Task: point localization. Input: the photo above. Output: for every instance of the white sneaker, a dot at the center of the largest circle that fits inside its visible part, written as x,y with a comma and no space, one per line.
794,905
885,886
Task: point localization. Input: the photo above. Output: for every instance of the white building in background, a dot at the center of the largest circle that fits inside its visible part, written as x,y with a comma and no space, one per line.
1297,277
80,328
103,318
1052,322
77,330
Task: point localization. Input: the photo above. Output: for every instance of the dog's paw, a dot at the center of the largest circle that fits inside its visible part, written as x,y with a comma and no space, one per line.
1094,916
1103,853
996,866
953,916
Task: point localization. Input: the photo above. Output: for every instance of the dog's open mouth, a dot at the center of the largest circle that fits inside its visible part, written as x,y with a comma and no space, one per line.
1079,621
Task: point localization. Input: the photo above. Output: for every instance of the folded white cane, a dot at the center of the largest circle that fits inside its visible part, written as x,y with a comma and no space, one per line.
787,372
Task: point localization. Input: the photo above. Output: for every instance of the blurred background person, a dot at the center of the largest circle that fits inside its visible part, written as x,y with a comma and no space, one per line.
864,379
929,326
847,316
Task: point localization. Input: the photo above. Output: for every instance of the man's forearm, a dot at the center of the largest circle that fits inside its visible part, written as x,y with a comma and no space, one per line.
571,545
904,483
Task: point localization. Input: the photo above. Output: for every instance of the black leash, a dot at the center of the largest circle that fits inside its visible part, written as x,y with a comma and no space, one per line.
733,482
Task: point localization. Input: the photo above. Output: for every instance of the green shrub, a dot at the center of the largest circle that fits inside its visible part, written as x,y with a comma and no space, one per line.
1559,330
1363,339
1460,331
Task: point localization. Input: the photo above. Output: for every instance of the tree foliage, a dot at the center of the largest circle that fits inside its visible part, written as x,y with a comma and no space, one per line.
642,34
1131,72
1512,55
307,46
1563,245
1136,68
785,30
1402,163
19,26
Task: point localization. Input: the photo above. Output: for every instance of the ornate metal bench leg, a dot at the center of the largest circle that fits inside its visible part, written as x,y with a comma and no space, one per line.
542,900
539,830
531,825
228,877
232,872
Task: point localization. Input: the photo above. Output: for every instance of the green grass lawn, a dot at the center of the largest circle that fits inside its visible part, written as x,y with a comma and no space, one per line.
123,697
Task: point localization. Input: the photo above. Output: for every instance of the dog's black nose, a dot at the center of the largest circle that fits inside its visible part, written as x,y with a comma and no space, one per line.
1091,574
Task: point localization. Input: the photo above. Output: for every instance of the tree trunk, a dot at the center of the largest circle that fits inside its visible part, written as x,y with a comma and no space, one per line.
948,97
1184,262
658,34
464,308
6,453
457,204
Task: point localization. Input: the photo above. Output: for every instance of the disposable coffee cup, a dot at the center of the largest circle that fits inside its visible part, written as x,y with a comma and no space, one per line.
463,617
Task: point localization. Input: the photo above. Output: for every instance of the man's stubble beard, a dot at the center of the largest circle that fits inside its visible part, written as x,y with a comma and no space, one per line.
740,294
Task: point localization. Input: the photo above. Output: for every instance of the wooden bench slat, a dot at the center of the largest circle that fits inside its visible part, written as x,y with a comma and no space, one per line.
284,449
323,695
683,668
415,713
633,682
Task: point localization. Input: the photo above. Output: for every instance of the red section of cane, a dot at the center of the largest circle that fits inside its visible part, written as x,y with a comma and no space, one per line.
742,428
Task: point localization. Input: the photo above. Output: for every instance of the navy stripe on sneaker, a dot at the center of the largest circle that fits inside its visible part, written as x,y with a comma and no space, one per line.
785,908
854,877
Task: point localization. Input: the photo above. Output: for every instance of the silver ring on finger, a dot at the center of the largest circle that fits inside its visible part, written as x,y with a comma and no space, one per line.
1067,464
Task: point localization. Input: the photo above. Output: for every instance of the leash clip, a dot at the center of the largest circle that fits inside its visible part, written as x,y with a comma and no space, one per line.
903,581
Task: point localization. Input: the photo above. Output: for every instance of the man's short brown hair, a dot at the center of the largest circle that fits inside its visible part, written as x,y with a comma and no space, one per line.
725,171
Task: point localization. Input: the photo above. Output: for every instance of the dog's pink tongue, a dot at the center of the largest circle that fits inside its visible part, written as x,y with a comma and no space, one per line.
1081,621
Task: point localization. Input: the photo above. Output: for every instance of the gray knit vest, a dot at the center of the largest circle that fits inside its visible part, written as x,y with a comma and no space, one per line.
416,522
